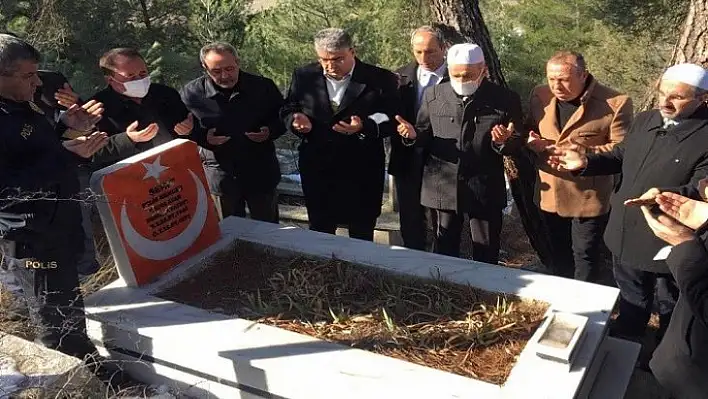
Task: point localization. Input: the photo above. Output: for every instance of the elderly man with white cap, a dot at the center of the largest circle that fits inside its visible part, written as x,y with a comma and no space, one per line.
464,126
666,149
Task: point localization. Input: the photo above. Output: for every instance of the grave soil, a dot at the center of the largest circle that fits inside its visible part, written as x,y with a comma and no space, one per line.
430,322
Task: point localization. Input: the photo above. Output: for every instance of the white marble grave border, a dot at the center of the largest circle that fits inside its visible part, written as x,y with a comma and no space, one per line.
213,355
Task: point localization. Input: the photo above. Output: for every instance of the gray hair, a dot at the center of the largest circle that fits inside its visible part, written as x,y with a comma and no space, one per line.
13,50
437,34
333,39
219,47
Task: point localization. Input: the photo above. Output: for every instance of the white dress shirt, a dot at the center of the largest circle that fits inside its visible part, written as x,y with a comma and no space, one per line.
669,123
337,88
429,78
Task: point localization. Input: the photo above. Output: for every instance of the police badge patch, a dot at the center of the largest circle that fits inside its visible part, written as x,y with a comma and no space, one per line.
35,108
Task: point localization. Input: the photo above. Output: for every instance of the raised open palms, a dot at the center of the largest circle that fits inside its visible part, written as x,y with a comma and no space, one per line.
690,213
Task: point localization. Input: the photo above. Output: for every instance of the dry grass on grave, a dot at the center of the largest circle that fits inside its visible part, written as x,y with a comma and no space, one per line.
13,318
450,327
108,272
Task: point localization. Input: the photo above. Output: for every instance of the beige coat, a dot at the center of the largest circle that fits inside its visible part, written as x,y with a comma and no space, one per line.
601,121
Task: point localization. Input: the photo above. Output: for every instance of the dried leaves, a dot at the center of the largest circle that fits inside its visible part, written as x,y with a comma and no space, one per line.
430,322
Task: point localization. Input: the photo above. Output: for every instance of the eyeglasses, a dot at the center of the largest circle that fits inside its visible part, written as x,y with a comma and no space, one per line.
219,71
334,60
468,77
124,78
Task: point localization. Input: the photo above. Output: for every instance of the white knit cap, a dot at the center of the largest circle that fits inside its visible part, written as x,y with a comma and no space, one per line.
465,54
690,74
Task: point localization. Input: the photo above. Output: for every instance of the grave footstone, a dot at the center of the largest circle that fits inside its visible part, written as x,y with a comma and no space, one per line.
156,210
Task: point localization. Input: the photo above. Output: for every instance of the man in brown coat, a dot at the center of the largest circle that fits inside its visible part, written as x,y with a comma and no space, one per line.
575,109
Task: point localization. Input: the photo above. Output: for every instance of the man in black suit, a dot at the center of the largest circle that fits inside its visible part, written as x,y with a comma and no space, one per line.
680,362
464,127
405,163
342,108
241,112
666,149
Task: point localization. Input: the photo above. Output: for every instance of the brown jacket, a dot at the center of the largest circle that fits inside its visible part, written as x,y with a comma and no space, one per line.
601,121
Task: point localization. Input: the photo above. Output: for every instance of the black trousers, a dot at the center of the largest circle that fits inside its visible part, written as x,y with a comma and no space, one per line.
485,228
575,245
55,302
361,228
411,213
232,201
638,290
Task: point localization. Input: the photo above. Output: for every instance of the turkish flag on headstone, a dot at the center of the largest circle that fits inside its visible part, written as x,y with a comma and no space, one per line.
156,209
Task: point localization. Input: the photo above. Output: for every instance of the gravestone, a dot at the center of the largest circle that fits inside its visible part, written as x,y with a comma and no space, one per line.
232,357
156,209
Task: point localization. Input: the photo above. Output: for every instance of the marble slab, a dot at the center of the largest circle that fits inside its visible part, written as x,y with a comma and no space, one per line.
613,366
242,356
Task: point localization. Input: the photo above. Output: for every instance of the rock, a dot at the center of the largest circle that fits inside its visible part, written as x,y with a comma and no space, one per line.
11,380
28,370
161,392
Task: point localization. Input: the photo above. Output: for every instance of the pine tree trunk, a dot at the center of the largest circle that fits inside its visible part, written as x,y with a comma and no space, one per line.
466,18
146,15
461,20
692,45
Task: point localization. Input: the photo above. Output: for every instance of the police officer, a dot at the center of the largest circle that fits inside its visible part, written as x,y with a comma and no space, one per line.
38,177
54,97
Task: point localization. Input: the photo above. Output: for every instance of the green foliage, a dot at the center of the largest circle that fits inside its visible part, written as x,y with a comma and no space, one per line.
219,20
626,42
280,39
169,33
170,67
654,18
527,32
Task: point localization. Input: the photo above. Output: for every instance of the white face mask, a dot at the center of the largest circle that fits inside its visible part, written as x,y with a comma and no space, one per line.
137,88
466,88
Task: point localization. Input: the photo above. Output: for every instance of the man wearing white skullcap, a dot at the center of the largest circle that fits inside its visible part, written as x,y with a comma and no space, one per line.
681,92
682,95
665,150
464,126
